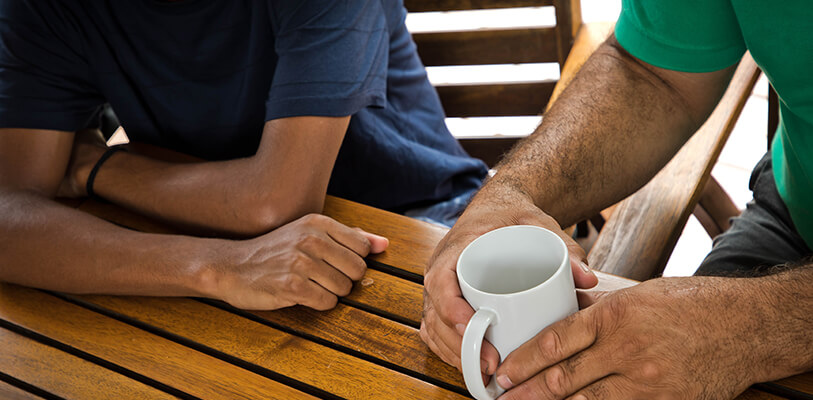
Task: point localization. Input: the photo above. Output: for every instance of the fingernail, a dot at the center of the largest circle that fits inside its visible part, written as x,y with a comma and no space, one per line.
579,397
504,382
584,267
461,329
484,366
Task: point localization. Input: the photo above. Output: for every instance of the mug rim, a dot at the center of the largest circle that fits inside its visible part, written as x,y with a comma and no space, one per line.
562,266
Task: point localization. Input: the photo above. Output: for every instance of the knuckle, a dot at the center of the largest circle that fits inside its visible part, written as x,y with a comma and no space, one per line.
358,269
346,286
650,372
556,382
294,283
365,246
428,281
313,220
328,303
632,347
309,243
300,262
549,345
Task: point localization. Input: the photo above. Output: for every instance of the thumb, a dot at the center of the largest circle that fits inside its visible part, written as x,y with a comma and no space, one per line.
377,243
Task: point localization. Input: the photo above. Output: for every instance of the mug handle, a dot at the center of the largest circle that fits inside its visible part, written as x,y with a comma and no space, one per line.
470,355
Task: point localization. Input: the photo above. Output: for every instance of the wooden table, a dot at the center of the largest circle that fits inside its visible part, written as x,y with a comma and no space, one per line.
64,346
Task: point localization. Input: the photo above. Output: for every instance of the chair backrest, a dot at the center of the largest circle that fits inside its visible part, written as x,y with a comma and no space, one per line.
537,44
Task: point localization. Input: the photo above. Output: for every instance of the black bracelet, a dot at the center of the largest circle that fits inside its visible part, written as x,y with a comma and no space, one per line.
89,186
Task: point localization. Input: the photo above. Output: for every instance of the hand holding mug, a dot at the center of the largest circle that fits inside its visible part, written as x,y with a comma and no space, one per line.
518,280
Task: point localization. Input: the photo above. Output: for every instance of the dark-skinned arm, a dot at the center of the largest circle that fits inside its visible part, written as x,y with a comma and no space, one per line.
286,179
44,244
618,123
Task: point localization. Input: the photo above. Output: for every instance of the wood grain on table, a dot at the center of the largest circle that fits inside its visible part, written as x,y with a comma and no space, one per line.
37,364
367,347
160,362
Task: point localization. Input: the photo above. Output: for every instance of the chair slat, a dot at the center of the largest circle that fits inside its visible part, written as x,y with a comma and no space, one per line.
453,5
489,149
490,46
498,100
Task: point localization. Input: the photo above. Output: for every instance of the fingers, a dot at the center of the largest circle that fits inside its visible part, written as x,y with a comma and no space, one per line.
445,318
610,388
564,378
330,278
583,276
438,346
377,243
344,235
554,344
312,295
340,258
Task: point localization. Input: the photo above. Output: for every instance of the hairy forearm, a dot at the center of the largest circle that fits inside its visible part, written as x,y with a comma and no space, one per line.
610,132
51,246
783,311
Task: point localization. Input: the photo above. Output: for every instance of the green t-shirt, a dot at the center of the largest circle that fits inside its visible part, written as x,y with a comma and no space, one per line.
709,35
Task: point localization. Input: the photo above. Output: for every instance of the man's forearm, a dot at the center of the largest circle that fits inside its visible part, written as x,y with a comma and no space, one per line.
47,245
613,128
784,312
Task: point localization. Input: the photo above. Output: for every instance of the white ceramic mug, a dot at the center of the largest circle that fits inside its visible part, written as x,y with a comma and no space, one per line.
518,280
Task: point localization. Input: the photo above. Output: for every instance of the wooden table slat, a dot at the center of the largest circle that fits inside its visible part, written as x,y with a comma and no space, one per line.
389,296
131,348
10,392
65,375
292,356
368,334
412,243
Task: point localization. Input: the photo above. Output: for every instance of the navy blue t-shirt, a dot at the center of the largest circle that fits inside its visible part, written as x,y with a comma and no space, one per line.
203,76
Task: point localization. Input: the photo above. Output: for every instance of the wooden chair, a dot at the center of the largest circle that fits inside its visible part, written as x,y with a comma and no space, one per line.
496,46
641,231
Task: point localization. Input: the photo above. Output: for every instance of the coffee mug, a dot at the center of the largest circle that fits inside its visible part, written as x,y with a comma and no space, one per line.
518,280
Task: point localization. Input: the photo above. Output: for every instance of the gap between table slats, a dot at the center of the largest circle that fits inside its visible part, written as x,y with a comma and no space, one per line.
51,373
137,354
256,346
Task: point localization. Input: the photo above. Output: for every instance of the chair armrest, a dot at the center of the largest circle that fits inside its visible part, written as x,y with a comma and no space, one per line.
642,232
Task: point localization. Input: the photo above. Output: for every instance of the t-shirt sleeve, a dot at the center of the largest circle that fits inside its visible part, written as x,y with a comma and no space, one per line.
44,78
683,35
332,57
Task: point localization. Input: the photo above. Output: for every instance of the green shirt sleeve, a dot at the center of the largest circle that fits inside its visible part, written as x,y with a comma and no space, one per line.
682,35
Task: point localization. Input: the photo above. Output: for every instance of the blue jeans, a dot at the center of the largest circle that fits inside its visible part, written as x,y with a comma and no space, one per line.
444,213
